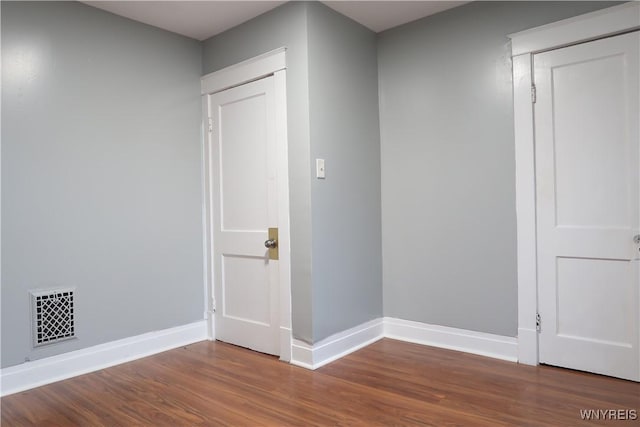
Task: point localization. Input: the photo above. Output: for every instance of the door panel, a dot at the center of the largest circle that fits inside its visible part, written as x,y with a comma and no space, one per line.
587,283
244,190
242,147
591,156
587,182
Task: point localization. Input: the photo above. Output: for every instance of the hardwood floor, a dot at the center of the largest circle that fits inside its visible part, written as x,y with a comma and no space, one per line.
388,383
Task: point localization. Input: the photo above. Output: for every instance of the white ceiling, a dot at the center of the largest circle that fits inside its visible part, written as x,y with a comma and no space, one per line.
203,19
382,15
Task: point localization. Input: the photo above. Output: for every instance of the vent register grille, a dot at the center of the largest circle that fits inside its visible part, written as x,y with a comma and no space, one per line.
53,316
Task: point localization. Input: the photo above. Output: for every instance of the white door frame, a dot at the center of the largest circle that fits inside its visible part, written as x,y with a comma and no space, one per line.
270,63
524,45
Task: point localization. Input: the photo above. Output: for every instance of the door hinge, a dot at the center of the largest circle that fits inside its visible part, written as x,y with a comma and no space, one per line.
210,124
533,94
213,305
538,322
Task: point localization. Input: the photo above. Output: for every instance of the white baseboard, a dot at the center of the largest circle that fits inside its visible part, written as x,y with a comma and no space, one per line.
496,346
313,356
45,371
51,369
336,346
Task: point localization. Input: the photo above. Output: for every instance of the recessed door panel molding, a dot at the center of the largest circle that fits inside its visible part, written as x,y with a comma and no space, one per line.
587,157
245,289
587,289
243,197
592,168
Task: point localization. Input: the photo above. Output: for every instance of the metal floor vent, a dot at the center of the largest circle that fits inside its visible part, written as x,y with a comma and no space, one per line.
52,316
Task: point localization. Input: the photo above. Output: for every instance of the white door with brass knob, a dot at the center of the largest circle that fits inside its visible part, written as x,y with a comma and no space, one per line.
587,141
244,189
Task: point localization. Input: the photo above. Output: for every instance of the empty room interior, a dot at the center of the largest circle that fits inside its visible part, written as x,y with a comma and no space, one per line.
320,213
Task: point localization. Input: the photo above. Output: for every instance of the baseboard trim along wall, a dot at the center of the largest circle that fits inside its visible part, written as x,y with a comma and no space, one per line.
29,375
483,344
33,374
336,346
346,342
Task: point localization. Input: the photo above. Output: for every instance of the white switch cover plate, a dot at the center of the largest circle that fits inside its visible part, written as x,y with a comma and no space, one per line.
320,168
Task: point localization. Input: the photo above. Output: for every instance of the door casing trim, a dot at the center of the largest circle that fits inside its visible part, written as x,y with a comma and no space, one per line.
524,45
270,63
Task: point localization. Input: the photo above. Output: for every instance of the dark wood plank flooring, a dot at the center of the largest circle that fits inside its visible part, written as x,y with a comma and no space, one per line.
389,383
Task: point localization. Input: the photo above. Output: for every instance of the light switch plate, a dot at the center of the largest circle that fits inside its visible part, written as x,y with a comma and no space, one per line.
320,168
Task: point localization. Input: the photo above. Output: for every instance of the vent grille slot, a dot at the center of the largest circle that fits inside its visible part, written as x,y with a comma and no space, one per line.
53,316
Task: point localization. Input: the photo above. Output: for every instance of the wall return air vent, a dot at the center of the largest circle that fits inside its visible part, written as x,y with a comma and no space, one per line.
53,316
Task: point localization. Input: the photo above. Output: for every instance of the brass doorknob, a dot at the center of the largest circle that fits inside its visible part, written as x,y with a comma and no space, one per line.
271,243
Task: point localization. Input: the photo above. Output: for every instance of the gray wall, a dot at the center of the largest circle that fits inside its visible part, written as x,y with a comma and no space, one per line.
101,186
447,143
101,167
284,26
343,99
